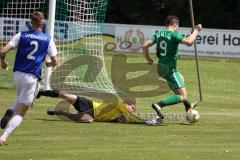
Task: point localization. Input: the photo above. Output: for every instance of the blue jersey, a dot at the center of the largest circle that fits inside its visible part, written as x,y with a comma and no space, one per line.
31,52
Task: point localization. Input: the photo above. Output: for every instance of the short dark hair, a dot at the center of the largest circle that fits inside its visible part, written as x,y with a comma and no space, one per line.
171,20
37,18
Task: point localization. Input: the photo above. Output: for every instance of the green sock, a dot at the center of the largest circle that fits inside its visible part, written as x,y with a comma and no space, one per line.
174,99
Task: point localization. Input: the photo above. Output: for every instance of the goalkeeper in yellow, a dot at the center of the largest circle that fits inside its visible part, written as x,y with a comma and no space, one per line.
89,111
167,42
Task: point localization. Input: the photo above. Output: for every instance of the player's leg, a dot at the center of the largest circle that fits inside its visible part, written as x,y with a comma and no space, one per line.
184,98
8,114
83,118
174,99
175,82
183,93
14,122
27,87
19,84
81,104
71,98
48,93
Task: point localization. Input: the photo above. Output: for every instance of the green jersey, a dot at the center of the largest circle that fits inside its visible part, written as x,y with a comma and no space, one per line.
167,47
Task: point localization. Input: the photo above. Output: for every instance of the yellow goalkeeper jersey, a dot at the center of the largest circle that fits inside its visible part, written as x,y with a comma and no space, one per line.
105,112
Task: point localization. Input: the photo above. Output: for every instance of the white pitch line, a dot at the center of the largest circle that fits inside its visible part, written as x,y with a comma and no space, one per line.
221,114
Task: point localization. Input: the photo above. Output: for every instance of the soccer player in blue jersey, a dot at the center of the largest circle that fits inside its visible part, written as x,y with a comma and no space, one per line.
32,48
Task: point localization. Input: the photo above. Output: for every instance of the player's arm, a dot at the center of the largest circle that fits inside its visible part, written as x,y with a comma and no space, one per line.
145,47
3,52
52,52
8,47
189,40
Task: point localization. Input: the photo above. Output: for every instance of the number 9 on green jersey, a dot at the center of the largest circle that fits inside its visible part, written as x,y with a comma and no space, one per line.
167,46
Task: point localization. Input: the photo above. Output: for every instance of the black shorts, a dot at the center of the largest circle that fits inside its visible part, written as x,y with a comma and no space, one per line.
83,105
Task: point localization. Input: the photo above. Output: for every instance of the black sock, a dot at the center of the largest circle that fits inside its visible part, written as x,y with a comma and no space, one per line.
187,105
161,104
159,113
50,93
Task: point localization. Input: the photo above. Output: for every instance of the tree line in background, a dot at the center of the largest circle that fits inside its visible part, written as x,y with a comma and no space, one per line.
224,14
211,13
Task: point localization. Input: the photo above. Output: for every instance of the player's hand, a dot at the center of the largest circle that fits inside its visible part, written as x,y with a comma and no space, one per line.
4,65
48,64
149,61
51,64
198,27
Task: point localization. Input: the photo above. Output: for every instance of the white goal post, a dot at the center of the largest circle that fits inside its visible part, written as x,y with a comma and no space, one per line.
51,22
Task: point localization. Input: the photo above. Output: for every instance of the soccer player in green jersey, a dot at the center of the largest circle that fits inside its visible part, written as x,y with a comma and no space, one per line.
167,42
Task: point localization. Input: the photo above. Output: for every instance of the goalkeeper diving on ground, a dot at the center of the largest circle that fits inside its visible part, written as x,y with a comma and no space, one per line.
89,111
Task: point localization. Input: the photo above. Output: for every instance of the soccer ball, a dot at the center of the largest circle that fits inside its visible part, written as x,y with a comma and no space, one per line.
192,116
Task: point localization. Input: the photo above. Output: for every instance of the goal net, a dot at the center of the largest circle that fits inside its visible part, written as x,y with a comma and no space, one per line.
77,33
15,16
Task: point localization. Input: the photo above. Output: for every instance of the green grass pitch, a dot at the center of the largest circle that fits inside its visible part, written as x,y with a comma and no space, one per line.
215,137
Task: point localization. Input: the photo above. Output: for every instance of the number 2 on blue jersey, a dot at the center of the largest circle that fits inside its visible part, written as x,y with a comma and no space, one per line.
30,55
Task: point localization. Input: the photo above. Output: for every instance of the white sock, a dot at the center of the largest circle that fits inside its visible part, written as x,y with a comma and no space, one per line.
12,125
158,106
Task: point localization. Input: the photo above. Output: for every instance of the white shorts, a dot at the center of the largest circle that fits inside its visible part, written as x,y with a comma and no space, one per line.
27,87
